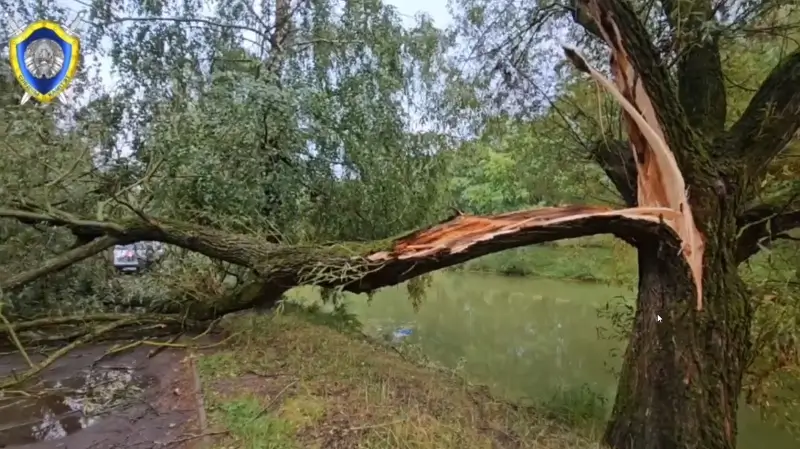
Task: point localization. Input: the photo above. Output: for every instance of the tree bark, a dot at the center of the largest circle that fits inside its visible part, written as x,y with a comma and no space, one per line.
681,377
701,85
59,262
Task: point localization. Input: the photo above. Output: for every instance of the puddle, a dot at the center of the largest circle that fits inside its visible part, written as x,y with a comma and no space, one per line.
59,408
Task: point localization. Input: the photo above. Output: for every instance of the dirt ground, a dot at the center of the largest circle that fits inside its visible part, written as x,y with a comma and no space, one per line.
142,402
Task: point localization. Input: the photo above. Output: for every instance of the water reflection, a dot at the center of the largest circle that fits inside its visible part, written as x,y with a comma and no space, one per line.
59,408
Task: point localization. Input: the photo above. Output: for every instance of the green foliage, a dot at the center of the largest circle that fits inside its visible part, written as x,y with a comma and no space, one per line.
264,136
203,124
515,165
577,407
416,288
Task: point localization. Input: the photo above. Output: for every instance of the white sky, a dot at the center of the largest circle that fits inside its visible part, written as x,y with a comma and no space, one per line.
436,9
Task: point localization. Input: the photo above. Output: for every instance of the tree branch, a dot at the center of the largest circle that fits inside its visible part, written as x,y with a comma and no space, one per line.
768,221
701,87
616,159
58,263
660,181
624,32
771,119
362,267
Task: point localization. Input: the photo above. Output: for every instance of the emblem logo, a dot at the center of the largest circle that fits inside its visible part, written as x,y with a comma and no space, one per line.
44,58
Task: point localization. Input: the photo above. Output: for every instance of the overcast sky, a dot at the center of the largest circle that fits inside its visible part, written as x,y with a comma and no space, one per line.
436,9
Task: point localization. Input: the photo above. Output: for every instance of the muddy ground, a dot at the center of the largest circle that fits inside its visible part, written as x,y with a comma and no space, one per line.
126,401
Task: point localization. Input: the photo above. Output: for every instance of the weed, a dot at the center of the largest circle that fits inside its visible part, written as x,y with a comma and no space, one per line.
250,429
577,406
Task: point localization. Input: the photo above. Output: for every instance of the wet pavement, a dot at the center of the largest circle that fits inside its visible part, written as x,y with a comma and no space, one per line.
128,401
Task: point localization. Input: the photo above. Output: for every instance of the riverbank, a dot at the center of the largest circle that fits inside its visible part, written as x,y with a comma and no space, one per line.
299,378
304,379
548,342
606,260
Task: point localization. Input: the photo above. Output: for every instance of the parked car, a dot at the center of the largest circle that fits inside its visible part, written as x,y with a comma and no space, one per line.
137,257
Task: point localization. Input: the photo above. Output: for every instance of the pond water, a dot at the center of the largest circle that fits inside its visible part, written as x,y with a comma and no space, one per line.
524,337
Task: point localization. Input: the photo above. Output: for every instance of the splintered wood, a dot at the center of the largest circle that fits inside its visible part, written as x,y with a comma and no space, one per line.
662,195
659,180
464,231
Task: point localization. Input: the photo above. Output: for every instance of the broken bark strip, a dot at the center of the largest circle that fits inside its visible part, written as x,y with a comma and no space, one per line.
660,182
620,21
365,267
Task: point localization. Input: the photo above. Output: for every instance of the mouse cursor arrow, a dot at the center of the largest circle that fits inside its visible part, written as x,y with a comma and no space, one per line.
658,318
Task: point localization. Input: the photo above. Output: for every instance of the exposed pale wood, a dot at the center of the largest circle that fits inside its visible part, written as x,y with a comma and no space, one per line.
660,183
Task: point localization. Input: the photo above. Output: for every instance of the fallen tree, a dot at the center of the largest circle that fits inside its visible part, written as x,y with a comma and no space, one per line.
356,267
693,216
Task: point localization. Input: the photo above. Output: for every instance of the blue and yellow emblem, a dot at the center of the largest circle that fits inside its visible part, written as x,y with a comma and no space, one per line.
44,59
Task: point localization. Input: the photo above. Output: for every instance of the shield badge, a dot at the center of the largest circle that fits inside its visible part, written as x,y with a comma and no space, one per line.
44,58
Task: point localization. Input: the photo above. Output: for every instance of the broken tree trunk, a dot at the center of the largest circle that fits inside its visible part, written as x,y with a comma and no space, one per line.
681,377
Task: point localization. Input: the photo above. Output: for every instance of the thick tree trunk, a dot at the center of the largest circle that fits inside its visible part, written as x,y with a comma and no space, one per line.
681,376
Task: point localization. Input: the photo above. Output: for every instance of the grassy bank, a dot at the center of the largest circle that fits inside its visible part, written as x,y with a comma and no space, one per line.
304,380
596,259
606,260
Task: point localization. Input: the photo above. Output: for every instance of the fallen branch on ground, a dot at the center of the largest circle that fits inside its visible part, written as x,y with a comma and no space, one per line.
13,336
84,323
90,318
90,328
61,352
155,351
188,438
